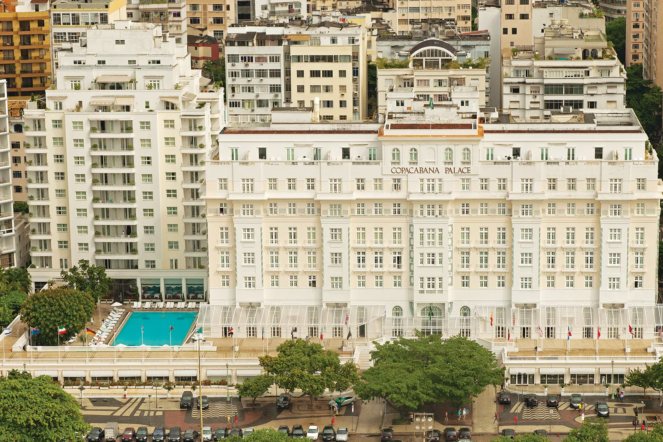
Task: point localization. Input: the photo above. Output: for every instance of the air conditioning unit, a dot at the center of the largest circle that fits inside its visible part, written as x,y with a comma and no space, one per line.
566,109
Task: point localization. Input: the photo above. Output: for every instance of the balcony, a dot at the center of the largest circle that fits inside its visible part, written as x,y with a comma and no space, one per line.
194,167
96,185
98,203
114,221
34,251
101,254
115,150
115,238
113,168
33,184
193,131
32,201
35,166
192,148
112,133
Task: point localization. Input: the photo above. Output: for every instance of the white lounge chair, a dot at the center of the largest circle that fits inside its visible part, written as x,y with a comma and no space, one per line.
135,305
138,306
148,305
160,305
192,305
180,305
169,305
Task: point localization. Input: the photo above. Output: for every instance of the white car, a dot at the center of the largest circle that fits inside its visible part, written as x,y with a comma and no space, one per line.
312,432
342,434
207,434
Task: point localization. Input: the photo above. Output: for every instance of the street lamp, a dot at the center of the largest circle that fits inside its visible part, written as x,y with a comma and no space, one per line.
200,339
227,383
612,380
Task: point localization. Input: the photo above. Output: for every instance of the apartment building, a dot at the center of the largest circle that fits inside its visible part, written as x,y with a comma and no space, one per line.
516,24
212,18
71,18
16,140
456,14
171,15
436,220
613,9
569,69
643,39
7,231
115,164
270,67
201,47
26,47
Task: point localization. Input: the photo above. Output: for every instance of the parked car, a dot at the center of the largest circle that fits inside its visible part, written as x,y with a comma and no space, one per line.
221,433
129,434
284,429
328,433
464,433
186,401
111,431
159,435
175,434
576,401
204,401
602,410
508,432
504,398
248,431
342,401
207,434
142,434
190,436
312,432
96,435
342,434
433,435
283,402
531,400
387,435
298,432
450,434
237,432
543,433
552,400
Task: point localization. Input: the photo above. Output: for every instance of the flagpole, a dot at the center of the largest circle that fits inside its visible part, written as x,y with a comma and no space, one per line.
58,328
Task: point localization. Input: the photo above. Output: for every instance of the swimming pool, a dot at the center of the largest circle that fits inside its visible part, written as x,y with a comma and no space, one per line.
157,328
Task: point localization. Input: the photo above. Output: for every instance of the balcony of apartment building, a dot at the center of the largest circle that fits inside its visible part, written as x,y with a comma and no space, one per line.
7,56
115,250
116,233
115,217
36,162
39,214
42,262
192,145
38,197
114,199
34,127
193,180
40,230
37,179
194,214
33,27
192,198
193,163
195,231
196,262
111,129
113,165
113,181
117,263
29,69
41,247
192,126
156,17
6,27
151,5
37,146
113,147
33,41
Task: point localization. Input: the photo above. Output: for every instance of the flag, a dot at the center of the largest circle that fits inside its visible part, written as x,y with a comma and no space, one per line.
491,319
568,329
34,331
660,330
349,335
346,319
540,331
7,331
171,329
321,333
62,330
142,327
514,320
630,329
89,332
598,329
509,338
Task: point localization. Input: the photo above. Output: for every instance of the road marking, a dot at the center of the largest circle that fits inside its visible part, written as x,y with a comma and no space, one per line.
131,409
564,406
516,408
126,406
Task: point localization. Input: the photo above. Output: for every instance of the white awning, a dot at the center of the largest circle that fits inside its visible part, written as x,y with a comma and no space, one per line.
101,101
189,96
216,373
128,373
124,101
51,373
249,372
552,371
609,370
204,81
583,370
73,373
113,79
157,373
173,100
184,373
516,370
101,373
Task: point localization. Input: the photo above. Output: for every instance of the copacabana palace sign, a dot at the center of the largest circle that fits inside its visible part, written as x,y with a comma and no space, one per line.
414,170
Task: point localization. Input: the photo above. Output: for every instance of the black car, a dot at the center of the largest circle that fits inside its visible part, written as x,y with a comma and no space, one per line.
298,432
543,433
204,401
576,401
508,432
433,435
504,398
220,433
236,432
387,435
464,433
531,400
450,434
96,435
175,435
142,434
190,436
328,433
186,401
552,400
284,429
283,403
159,435
602,409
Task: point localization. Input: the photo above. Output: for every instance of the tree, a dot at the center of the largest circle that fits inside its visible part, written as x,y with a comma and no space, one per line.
10,306
38,409
21,207
306,366
255,387
616,33
475,19
215,70
372,91
591,431
638,377
646,100
652,436
409,373
267,435
15,279
57,307
522,438
391,63
88,278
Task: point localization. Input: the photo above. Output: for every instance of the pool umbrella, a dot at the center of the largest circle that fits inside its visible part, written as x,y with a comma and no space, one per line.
116,304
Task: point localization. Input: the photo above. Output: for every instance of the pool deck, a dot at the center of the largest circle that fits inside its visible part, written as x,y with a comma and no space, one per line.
129,311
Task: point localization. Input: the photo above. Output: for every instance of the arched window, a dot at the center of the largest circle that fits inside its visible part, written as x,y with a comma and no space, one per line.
465,330
467,155
275,319
396,155
396,322
397,311
431,320
448,154
414,155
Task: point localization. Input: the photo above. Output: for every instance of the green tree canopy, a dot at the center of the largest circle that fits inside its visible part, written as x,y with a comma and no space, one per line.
21,207
38,409
638,377
15,279
391,63
646,99
88,278
591,431
268,435
215,70
306,366
57,307
522,438
655,434
412,372
616,33
255,387
10,306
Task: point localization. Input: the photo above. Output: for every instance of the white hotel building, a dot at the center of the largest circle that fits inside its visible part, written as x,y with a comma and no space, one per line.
116,163
435,221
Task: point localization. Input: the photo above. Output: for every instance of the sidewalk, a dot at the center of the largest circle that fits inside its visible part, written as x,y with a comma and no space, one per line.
370,419
483,412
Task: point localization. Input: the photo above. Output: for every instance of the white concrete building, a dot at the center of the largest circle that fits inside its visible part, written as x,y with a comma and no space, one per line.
116,163
437,220
7,230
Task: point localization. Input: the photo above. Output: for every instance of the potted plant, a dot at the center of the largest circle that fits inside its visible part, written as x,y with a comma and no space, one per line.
29,162
30,215
95,181
27,145
607,386
33,248
26,128
96,217
132,199
130,147
96,199
29,180
94,165
561,385
95,147
31,197
201,266
94,129
202,180
132,182
200,127
33,231
201,145
133,235
545,390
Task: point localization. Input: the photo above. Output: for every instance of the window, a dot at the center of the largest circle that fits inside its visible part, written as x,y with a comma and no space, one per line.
640,184
59,210
169,124
465,184
589,209
148,230
639,208
146,178
336,282
569,281
615,210
589,260
570,259
146,143
168,141
570,184
591,184
171,211
614,259
615,235
146,161
83,247
148,196
526,185
248,234
148,213
589,235
526,210
639,236
59,176
81,195
613,283
570,208
57,124
501,184
525,259
249,282
615,185
171,176
526,283
170,159
526,234
173,228
81,213
570,236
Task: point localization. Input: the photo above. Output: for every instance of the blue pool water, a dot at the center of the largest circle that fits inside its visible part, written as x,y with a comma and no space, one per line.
157,328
